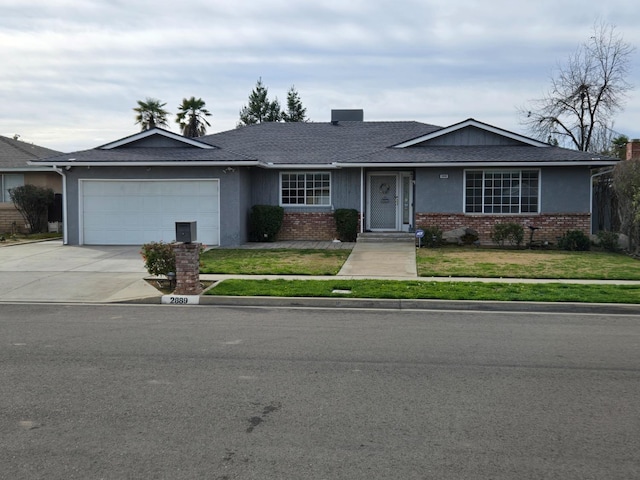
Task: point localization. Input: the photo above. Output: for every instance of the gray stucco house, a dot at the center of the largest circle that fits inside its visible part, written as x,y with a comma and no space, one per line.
398,175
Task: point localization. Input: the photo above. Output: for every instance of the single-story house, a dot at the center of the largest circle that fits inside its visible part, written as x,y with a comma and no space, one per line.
16,172
399,176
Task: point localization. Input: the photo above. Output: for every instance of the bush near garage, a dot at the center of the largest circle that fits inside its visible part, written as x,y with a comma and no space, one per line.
159,258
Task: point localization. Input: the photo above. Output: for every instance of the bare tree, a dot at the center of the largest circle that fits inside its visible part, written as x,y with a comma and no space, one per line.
586,93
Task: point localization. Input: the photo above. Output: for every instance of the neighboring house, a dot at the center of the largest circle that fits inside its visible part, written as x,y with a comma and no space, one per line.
15,172
398,175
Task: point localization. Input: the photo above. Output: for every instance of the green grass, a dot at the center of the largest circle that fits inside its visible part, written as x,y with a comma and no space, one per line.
273,262
547,292
547,264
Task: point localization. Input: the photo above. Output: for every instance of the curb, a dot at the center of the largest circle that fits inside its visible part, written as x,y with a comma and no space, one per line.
405,304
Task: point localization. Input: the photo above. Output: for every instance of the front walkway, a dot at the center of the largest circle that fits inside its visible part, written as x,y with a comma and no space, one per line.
384,260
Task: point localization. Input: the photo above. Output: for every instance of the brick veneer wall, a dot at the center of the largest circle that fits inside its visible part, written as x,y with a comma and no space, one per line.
308,226
187,268
551,226
8,215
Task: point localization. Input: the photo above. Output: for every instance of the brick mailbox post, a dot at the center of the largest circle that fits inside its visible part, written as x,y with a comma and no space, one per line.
187,269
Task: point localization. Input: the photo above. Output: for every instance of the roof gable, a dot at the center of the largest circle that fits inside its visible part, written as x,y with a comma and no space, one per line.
471,133
155,138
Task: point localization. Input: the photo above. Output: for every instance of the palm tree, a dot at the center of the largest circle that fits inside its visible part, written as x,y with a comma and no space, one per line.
150,114
191,117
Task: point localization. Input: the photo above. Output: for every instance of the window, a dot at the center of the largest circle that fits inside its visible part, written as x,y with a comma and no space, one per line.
305,189
501,191
10,181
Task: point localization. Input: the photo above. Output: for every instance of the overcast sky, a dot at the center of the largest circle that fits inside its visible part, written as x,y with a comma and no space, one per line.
72,70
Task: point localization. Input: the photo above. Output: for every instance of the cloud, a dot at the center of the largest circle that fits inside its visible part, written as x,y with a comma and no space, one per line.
72,71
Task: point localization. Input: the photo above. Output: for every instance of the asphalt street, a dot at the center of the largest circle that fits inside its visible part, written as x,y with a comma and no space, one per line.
193,392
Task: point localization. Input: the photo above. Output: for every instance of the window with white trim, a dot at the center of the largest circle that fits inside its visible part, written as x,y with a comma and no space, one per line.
9,181
309,188
501,191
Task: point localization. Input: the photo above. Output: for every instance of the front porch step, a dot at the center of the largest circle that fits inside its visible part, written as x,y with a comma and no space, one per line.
383,237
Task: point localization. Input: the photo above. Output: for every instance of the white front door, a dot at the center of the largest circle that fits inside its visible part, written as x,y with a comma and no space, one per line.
389,201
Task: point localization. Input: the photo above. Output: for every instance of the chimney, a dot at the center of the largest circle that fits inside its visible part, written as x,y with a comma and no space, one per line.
347,116
633,149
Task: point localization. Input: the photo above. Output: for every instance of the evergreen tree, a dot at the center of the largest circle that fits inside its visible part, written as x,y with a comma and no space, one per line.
191,117
260,109
295,111
151,114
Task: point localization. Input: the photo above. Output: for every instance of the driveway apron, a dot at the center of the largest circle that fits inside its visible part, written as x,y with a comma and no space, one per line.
51,272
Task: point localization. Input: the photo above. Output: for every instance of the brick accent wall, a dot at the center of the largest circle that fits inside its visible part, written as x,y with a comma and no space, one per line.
551,226
187,269
308,226
8,215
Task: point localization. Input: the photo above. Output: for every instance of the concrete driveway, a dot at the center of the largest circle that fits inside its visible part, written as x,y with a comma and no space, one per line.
53,272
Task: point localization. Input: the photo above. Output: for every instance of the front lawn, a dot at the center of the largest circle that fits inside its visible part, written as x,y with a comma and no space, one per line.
273,262
545,292
495,263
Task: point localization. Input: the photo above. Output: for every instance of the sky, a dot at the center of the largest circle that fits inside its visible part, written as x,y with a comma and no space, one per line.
73,70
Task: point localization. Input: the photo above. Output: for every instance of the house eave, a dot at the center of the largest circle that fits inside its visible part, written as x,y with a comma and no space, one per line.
186,163
477,164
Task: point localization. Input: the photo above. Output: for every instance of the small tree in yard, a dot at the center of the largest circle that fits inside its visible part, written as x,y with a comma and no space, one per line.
626,184
33,204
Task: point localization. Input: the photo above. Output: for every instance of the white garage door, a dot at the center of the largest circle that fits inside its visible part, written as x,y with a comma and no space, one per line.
135,212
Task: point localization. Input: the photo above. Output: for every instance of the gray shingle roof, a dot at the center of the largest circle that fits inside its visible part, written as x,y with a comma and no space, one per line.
141,155
315,143
322,144
16,154
477,154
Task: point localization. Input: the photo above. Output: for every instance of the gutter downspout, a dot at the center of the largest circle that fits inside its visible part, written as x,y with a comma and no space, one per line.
64,205
361,199
591,196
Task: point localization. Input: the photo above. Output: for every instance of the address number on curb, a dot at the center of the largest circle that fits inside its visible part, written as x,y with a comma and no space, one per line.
180,299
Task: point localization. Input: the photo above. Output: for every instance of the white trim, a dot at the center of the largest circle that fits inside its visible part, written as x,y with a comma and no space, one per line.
305,205
481,164
483,170
472,123
398,216
155,131
168,163
82,181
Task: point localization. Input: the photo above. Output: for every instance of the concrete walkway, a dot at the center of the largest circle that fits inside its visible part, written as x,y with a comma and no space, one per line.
381,260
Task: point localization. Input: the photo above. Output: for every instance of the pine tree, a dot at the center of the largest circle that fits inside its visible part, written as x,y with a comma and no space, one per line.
295,111
260,109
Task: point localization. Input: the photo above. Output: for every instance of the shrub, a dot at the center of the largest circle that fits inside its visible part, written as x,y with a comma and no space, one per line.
159,258
33,204
609,241
507,232
346,224
265,222
574,240
470,236
432,237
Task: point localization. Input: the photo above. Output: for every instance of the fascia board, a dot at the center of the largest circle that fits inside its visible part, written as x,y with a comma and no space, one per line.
473,123
148,133
298,166
185,163
476,164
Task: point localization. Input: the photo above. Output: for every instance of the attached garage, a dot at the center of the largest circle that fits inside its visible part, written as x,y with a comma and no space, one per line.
133,212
